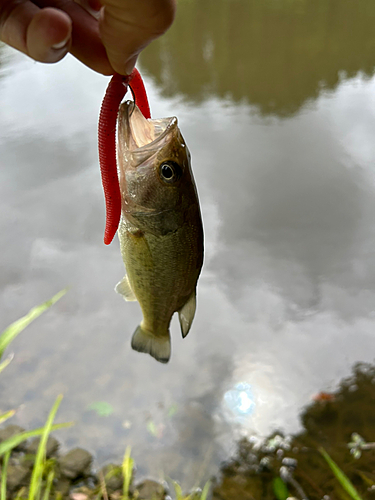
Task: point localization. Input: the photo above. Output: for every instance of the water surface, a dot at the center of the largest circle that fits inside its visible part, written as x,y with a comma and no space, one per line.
276,102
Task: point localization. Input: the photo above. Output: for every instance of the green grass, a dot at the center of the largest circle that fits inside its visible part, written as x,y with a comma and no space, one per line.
18,326
6,447
17,439
340,476
40,459
43,470
7,415
127,472
39,468
193,496
3,491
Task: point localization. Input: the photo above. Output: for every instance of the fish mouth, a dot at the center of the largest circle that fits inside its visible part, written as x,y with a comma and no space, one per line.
137,133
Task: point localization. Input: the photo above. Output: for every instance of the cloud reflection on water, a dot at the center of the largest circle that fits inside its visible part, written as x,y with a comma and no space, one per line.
286,297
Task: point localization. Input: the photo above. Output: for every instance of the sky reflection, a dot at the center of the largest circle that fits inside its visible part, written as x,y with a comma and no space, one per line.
240,399
287,293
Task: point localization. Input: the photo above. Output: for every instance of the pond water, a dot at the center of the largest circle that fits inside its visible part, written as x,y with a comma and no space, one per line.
276,102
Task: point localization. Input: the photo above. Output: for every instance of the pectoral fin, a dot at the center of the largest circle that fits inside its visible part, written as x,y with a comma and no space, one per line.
123,288
186,314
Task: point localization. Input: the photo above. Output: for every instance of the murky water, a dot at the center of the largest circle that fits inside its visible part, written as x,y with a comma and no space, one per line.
276,102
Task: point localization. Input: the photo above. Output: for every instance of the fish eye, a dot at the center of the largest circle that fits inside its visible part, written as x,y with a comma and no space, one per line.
170,172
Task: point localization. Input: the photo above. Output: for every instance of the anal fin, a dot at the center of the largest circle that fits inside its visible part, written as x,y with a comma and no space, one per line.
186,314
123,288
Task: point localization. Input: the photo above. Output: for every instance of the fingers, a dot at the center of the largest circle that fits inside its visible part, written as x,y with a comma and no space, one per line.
43,34
86,43
127,26
47,29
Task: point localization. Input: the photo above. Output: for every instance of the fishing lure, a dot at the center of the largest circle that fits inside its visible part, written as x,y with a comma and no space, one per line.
116,91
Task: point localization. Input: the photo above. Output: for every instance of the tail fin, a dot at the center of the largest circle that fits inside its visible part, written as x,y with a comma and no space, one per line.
158,347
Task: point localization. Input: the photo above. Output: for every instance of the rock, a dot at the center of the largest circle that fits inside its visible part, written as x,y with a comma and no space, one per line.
149,490
82,493
17,476
113,477
62,486
75,463
11,430
51,448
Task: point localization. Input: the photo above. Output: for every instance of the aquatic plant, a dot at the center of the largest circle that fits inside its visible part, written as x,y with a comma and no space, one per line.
18,326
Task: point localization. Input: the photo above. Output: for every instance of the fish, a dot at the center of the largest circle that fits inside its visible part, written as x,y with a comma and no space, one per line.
160,230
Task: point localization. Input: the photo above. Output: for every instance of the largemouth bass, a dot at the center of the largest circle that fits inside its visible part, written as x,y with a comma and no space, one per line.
160,232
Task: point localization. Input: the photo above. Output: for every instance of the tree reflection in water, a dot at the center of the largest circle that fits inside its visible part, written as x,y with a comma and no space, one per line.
274,55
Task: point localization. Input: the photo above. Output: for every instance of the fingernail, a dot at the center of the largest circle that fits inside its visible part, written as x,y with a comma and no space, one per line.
130,64
61,45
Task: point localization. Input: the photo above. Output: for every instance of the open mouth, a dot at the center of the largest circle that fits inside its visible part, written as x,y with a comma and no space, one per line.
137,132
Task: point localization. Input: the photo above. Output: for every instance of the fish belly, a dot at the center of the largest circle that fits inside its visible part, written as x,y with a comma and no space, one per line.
162,270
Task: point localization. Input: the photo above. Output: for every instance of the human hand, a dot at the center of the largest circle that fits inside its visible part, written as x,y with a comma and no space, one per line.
107,42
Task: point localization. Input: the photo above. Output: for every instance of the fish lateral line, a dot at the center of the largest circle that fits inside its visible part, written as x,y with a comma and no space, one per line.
115,93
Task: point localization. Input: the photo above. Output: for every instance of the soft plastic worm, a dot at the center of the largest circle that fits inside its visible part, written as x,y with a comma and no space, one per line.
116,90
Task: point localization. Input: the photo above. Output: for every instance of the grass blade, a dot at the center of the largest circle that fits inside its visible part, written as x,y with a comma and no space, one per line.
3,492
340,476
50,478
14,441
20,493
206,490
177,490
36,477
6,362
15,328
127,472
7,415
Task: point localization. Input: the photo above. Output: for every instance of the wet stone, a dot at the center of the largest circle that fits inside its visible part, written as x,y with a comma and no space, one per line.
51,448
11,430
17,476
82,493
113,477
63,486
75,463
150,490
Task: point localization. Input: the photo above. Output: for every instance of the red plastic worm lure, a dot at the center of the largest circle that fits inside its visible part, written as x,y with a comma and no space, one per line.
116,90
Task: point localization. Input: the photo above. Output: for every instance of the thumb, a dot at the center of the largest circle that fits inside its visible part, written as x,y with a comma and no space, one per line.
128,26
